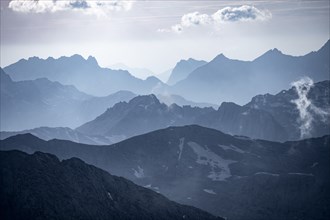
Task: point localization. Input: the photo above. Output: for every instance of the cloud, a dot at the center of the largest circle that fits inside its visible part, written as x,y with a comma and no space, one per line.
195,18
227,14
189,20
242,13
307,110
97,7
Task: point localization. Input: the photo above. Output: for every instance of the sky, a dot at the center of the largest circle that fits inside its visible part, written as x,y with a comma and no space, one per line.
157,34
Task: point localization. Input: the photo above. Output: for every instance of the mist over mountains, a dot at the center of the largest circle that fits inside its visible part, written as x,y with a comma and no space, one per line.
221,79
33,103
271,117
237,139
85,75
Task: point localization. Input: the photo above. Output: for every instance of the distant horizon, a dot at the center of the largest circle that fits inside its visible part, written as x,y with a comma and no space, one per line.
155,34
157,74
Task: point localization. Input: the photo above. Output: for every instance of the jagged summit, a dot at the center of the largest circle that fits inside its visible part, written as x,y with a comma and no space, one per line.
92,60
183,68
220,57
144,100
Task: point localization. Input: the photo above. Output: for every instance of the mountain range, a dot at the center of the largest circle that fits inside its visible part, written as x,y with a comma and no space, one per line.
234,177
33,103
64,133
85,74
220,80
223,79
40,186
269,117
52,104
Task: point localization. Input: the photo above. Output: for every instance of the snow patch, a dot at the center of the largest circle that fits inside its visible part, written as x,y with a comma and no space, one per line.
301,174
231,147
266,173
149,186
210,191
315,164
219,166
109,195
181,147
245,113
139,173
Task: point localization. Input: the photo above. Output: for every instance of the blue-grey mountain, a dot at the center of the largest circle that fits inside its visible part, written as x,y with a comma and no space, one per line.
85,75
225,175
33,103
40,186
64,133
224,79
286,113
183,68
275,119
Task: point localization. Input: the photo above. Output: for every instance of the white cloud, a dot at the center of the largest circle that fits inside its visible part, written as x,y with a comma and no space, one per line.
97,7
227,14
242,13
195,18
307,110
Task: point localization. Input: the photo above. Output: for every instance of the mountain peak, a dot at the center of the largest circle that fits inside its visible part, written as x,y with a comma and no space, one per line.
145,100
153,79
221,57
27,137
273,52
92,60
34,58
325,47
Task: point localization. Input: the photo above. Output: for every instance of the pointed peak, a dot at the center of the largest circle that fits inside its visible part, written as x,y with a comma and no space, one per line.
274,51
221,57
325,46
92,60
33,58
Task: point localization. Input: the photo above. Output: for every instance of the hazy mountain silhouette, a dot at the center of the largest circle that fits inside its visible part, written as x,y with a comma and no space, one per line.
183,68
147,113
40,186
139,72
34,103
237,120
85,75
225,175
224,79
170,99
140,115
47,133
285,112
273,118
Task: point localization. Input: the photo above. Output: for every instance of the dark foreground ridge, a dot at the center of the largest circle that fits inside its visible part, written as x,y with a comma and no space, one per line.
40,186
